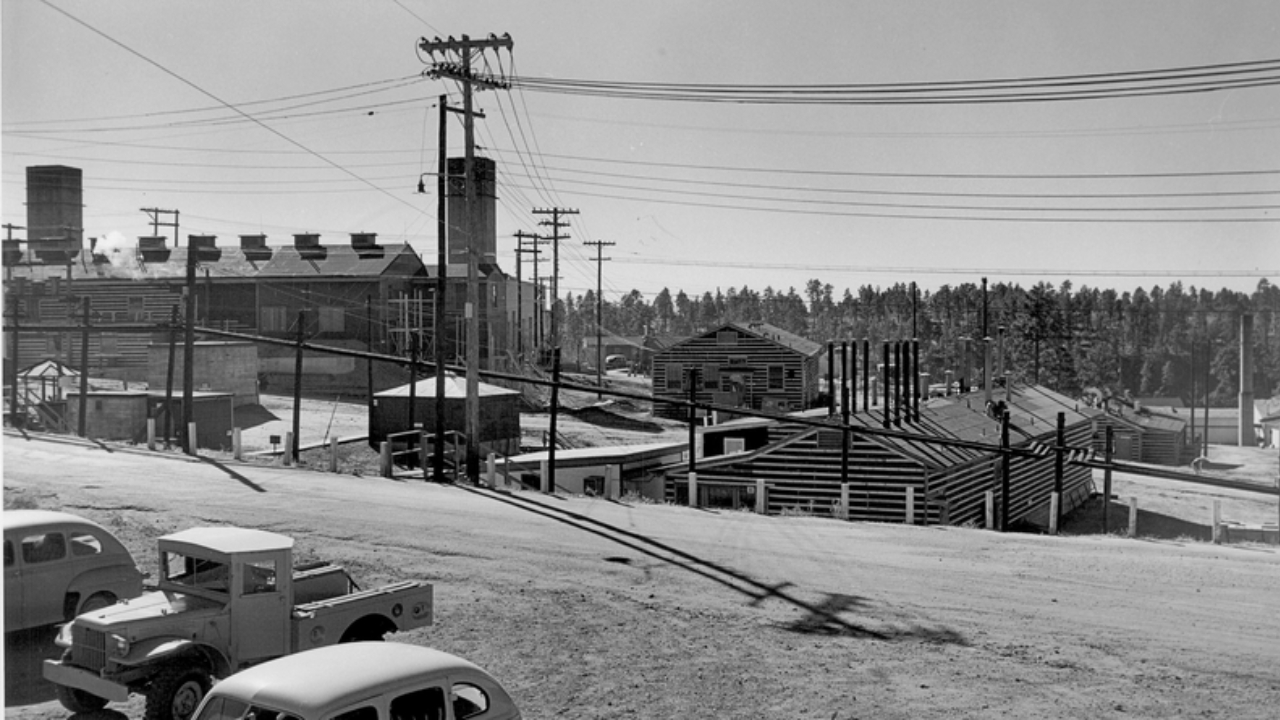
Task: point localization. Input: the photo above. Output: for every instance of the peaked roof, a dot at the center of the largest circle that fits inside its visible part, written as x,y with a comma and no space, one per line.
765,331
454,387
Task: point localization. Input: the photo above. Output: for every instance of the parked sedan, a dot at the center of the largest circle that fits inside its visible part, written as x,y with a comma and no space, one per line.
361,681
58,566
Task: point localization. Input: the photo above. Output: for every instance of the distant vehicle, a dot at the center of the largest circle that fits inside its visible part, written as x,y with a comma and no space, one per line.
58,565
614,362
361,681
227,598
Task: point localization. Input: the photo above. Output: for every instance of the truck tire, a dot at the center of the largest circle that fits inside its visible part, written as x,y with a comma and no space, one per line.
76,700
176,692
97,601
368,628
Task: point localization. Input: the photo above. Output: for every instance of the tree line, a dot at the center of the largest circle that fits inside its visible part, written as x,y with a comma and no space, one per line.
1166,342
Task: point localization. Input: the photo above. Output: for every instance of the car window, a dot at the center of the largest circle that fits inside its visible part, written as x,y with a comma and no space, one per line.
223,708
468,700
195,572
424,704
83,543
259,577
44,547
367,712
8,553
262,713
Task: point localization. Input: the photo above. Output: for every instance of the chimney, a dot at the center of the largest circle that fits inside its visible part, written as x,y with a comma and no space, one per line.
986,369
152,249
366,244
98,258
966,361
205,247
308,246
1247,438
946,392
255,247
1000,355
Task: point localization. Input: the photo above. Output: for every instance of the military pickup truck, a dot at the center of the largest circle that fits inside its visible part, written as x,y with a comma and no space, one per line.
227,598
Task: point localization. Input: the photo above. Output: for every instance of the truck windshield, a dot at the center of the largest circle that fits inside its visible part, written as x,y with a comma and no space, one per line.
195,572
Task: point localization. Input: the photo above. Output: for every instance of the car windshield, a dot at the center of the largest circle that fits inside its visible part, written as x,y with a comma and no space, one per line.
196,572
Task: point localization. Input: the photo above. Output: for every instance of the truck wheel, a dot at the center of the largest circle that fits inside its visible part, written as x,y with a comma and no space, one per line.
176,692
76,700
369,628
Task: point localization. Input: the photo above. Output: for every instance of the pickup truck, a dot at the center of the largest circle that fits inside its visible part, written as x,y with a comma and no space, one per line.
227,598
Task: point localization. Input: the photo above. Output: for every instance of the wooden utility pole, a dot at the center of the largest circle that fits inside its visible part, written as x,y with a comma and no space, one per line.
189,354
84,370
599,246
534,240
455,64
555,223
156,223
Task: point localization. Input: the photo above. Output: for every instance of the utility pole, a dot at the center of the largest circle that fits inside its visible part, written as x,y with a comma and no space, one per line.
534,240
455,64
189,353
555,223
156,223
599,245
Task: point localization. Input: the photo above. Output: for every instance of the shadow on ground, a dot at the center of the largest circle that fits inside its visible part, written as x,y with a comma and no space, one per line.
1087,520
251,416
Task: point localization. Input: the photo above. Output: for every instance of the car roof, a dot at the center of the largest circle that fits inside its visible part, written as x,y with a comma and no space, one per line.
230,540
315,682
24,519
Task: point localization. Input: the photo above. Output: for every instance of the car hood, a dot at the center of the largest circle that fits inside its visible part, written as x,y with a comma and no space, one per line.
149,609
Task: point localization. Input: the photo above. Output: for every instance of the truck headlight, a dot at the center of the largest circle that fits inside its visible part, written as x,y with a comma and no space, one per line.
120,645
63,640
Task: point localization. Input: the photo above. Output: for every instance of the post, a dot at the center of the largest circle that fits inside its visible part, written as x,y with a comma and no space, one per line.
368,344
693,421
693,489
831,377
762,498
897,384
911,505
1006,475
491,469
290,456
843,513
333,454
168,384
1055,512
555,411
1208,364
866,371
1133,517
188,346
887,390
915,379
1059,466
297,387
151,433
544,474
1216,531
413,384
442,271
82,430
1106,484
384,459
844,418
237,444
11,367
989,503
613,482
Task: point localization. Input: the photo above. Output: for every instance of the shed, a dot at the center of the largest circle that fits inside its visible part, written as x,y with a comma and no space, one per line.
756,366
590,471
110,414
212,412
499,413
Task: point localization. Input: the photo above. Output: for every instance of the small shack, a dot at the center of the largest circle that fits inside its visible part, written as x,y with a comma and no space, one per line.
499,413
212,412
603,471
110,414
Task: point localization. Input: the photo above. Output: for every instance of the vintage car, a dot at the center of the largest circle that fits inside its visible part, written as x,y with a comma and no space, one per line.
58,565
361,681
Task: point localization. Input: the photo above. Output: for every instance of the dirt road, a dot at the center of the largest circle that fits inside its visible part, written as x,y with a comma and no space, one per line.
591,609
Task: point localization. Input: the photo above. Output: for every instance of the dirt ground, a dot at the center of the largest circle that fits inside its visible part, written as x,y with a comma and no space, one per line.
586,608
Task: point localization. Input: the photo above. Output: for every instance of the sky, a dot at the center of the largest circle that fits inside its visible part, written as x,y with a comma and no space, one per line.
316,116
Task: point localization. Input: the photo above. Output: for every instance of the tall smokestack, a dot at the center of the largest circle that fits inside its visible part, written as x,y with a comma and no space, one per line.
946,390
1000,351
986,369
966,361
1247,437
887,390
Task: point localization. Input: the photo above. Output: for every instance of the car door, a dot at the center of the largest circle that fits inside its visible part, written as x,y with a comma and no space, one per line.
260,618
44,566
13,615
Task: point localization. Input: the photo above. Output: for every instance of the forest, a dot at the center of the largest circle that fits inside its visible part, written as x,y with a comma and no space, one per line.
1159,342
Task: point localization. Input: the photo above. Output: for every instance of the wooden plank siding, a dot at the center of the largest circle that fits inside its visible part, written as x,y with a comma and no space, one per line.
734,350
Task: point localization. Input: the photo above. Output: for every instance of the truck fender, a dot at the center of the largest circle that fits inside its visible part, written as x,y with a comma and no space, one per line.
157,650
119,582
369,627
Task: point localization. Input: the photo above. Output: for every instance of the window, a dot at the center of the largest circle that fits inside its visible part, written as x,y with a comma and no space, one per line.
710,377
368,712
259,577
43,547
775,377
675,376
332,319
223,708
468,701
272,319
424,704
734,445
194,572
83,543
